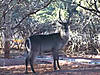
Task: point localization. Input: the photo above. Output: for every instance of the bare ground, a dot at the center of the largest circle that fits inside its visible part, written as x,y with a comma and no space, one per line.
47,69
17,67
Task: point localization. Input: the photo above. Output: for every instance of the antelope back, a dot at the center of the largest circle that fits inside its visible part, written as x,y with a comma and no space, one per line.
46,42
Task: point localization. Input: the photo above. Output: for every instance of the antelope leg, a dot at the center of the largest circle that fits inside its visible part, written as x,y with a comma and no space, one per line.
26,63
31,64
54,64
58,64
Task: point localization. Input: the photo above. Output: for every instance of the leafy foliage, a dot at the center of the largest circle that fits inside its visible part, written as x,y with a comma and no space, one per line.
20,18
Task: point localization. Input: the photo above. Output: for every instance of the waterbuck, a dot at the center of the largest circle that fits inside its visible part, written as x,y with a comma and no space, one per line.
36,44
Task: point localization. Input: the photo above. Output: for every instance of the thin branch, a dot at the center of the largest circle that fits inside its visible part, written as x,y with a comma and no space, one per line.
86,8
90,4
33,12
86,23
95,4
92,10
6,11
96,14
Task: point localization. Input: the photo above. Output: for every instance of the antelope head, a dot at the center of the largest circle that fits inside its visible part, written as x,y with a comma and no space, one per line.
65,28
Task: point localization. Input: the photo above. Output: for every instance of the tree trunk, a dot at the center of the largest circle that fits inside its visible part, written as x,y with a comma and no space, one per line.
6,44
6,49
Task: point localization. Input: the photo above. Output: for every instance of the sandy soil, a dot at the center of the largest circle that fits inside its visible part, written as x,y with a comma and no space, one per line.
47,69
17,67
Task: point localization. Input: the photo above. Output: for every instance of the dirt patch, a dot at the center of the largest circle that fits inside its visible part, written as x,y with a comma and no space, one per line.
47,69
16,66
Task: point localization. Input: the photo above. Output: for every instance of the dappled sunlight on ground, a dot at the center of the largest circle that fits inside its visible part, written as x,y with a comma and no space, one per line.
47,69
44,66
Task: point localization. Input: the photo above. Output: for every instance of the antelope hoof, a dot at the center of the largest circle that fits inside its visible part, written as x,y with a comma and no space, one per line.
59,68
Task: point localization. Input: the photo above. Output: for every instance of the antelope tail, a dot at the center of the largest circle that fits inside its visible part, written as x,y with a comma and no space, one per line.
28,45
